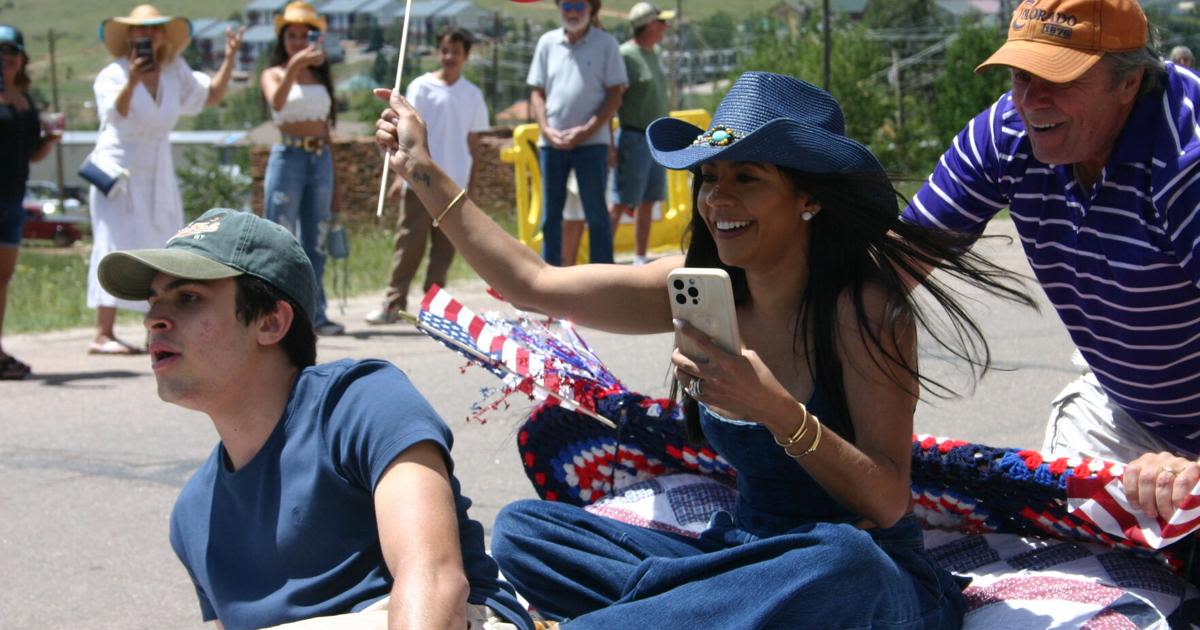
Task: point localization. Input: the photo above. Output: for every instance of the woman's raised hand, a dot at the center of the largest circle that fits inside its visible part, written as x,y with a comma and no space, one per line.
233,40
401,131
739,384
311,56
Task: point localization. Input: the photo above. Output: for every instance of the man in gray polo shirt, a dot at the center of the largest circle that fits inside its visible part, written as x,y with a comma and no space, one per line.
577,76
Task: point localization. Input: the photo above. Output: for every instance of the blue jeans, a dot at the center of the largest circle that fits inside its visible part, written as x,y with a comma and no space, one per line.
591,173
639,177
596,572
298,193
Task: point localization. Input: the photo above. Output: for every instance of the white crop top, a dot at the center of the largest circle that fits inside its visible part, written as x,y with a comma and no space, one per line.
304,102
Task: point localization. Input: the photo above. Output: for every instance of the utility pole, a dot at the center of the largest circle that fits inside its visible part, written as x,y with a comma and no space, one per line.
828,43
58,156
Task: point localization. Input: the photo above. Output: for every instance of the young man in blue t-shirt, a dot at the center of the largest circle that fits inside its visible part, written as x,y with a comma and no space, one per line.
331,490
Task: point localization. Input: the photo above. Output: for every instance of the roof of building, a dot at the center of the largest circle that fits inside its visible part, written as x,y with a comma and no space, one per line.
260,33
268,5
204,28
342,6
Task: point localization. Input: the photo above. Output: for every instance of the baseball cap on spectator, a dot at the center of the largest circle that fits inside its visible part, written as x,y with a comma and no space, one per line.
1059,40
644,13
222,243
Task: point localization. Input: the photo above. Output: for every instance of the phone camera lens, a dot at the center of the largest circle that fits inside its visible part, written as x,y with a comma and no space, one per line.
680,298
678,284
693,291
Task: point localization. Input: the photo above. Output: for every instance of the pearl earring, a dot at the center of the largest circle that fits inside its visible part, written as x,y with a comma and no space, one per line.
806,215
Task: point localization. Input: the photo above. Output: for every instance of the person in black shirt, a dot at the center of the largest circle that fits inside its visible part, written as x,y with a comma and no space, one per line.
22,142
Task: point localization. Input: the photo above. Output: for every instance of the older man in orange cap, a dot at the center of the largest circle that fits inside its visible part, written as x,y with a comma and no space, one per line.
1095,151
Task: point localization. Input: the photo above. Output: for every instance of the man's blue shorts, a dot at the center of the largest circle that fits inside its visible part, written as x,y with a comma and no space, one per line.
12,219
639,177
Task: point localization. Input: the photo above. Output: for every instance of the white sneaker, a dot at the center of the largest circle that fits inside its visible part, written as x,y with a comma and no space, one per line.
638,261
382,315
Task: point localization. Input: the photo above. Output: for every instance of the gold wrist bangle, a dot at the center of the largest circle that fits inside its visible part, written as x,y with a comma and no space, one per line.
800,430
450,206
813,447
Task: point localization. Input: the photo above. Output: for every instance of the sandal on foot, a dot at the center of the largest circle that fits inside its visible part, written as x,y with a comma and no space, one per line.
113,346
13,370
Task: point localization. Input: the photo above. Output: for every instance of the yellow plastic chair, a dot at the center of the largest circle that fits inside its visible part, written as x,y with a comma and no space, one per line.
666,232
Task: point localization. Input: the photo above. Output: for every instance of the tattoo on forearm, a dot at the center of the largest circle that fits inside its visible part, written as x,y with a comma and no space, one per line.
424,178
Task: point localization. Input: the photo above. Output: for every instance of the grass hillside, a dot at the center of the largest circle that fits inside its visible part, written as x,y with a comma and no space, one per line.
81,55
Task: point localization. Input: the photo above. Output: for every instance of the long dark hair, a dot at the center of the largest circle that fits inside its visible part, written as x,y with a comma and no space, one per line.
279,57
858,240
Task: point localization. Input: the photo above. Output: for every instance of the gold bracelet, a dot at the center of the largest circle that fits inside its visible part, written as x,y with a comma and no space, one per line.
800,430
815,444
438,221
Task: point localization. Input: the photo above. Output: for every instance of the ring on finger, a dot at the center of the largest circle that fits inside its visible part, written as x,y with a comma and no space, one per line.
1171,471
693,389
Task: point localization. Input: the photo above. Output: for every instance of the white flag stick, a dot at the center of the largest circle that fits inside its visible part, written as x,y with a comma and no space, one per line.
387,156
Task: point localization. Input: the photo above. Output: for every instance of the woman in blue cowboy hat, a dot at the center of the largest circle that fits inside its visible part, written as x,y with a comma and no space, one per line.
816,409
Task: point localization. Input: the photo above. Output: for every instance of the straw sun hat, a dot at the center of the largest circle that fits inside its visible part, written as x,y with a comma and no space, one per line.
114,32
299,13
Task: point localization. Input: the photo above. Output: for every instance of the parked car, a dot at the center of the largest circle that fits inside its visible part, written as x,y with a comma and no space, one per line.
44,218
38,224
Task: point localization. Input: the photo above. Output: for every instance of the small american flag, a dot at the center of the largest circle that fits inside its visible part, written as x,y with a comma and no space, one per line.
523,352
1102,502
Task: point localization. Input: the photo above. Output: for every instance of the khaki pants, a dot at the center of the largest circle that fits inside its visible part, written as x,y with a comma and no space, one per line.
1085,423
374,617
414,226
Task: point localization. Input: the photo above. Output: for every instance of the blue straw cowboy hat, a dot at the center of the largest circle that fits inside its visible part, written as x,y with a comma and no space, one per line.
766,118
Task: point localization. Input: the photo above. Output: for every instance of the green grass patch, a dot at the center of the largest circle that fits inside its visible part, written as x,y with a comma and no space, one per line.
49,289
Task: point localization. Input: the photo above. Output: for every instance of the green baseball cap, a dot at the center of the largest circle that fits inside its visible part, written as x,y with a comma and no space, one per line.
222,243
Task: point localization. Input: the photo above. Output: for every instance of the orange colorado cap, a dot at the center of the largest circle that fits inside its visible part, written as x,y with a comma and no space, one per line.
1058,40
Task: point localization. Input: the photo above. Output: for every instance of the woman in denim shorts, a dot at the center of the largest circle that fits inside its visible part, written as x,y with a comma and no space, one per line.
23,143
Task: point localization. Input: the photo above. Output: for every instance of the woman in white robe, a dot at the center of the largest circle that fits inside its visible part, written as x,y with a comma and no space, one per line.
139,102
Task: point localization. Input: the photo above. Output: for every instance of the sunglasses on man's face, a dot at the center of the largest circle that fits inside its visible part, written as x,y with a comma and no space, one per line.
577,7
11,51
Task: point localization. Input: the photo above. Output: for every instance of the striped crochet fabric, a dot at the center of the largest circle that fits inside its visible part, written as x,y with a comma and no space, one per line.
956,485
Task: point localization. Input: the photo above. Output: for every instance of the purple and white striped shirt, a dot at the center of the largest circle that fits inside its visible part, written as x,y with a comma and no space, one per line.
1121,264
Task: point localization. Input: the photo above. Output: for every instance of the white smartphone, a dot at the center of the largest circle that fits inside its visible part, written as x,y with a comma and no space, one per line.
703,297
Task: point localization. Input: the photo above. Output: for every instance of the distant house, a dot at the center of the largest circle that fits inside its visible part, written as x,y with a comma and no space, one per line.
343,14
430,15
263,11
258,42
208,38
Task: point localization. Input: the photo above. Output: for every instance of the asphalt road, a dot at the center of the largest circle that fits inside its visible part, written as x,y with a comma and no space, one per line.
91,460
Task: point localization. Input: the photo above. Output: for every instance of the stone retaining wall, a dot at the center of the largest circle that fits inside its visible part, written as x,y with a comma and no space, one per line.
357,163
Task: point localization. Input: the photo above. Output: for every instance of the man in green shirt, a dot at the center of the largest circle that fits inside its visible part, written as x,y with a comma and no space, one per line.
640,180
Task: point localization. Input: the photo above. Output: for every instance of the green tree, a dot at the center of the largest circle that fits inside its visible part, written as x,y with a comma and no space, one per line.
901,13
205,183
381,70
959,93
375,40
856,60
246,108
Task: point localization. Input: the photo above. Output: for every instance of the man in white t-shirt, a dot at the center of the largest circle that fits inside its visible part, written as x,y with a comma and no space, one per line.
455,113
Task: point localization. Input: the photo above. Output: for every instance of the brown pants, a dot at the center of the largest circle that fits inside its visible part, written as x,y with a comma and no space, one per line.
413,227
